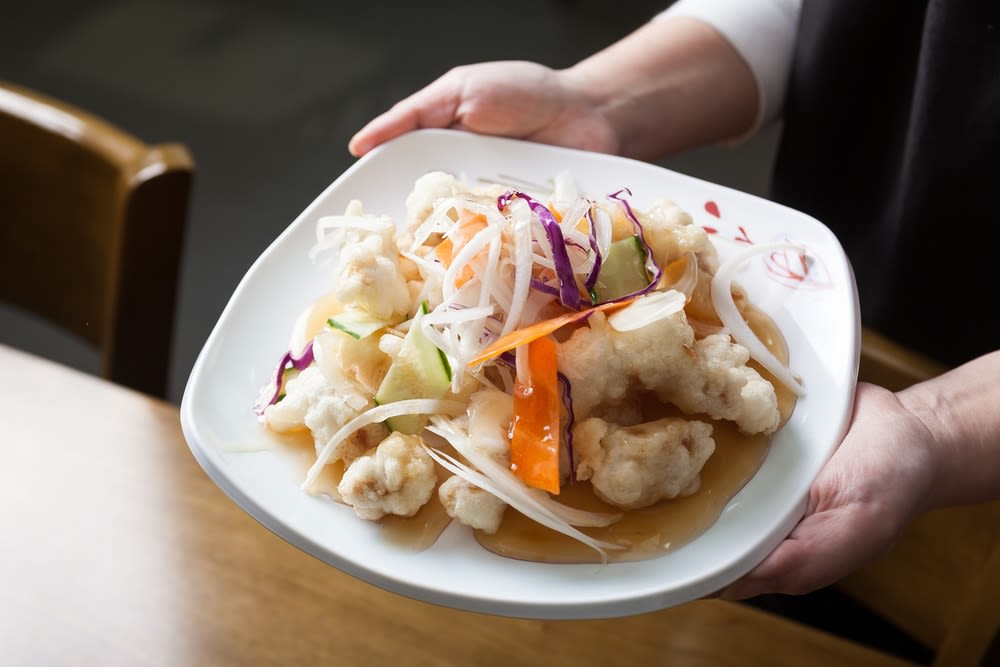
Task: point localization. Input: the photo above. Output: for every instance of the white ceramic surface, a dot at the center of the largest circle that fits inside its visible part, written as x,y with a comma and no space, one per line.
816,310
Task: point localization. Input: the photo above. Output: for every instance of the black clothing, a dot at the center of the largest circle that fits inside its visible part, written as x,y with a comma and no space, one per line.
892,139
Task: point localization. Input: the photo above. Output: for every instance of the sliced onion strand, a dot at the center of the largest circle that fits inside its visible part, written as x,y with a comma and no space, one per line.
732,319
413,406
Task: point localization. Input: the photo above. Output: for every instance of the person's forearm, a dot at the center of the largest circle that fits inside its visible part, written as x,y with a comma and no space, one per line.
962,412
672,85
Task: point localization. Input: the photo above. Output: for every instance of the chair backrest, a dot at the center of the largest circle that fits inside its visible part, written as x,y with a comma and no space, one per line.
941,582
92,229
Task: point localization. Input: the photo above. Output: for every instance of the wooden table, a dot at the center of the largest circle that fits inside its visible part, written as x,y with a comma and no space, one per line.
118,550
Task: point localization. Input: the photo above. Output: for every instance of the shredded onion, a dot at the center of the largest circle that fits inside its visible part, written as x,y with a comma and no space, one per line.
522,274
457,324
468,252
413,406
522,503
569,293
732,319
647,309
564,189
651,266
486,433
687,281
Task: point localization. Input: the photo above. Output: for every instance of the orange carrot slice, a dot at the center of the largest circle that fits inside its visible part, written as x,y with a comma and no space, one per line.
538,329
534,444
468,225
445,251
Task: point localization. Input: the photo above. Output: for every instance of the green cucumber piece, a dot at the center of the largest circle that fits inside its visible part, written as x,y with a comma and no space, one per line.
623,270
420,370
357,323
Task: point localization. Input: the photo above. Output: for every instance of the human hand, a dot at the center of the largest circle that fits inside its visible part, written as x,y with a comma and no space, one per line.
512,98
871,488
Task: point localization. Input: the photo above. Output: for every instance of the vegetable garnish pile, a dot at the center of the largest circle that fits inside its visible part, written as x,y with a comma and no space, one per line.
521,345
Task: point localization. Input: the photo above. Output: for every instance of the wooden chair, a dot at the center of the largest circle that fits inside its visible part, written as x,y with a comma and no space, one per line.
941,582
92,230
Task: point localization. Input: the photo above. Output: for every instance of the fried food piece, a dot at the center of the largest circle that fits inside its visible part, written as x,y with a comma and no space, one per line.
312,401
369,275
636,466
427,191
471,505
397,478
671,234
709,376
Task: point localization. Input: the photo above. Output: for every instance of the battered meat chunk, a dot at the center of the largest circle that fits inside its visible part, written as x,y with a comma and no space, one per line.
636,466
471,505
489,414
670,233
360,364
427,191
397,478
709,376
312,402
369,275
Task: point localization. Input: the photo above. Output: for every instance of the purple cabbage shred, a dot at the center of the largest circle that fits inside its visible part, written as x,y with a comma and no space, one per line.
288,362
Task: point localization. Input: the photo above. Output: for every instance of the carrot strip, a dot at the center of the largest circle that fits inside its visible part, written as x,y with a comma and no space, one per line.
534,443
535,331
445,251
468,225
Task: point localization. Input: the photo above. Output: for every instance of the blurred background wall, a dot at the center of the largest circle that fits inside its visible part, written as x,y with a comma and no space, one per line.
266,95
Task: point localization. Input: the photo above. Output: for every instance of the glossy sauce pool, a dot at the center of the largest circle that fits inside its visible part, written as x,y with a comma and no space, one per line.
646,533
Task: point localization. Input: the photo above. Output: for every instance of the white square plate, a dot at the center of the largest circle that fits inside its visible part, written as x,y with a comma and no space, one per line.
817,311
